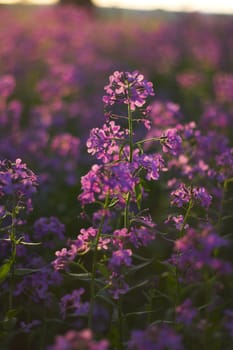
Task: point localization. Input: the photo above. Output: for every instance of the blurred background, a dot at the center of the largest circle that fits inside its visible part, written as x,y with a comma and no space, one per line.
55,61
225,6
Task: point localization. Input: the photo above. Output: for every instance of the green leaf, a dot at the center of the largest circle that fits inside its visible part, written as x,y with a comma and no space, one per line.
106,298
139,257
140,266
11,313
227,217
5,269
29,243
139,313
80,276
113,203
25,271
103,269
138,192
141,284
9,323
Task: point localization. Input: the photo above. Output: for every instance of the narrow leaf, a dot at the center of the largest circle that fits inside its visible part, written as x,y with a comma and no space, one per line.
25,271
5,269
81,276
29,243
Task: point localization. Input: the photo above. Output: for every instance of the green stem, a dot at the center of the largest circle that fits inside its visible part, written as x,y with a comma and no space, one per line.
181,233
126,213
94,266
43,330
120,320
147,140
13,258
225,185
126,218
130,125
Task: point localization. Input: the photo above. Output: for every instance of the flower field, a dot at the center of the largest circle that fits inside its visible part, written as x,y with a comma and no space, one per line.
116,181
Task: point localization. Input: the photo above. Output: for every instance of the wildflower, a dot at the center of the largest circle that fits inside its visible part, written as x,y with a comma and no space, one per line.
178,221
128,88
152,163
71,304
155,338
171,142
228,321
66,145
7,85
117,285
17,182
186,313
183,195
193,253
48,230
120,257
36,286
202,196
26,327
73,340
104,142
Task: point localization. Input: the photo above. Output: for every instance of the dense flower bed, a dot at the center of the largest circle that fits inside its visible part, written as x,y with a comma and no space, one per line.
116,181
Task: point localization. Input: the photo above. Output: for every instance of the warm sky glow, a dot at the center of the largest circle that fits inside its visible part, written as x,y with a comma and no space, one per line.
224,6
202,5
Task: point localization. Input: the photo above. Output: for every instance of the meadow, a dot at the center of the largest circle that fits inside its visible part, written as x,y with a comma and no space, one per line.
116,180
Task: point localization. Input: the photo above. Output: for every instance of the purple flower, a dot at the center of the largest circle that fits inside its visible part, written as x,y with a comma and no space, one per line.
152,163
163,115
71,304
189,79
120,257
171,142
228,321
27,327
141,236
114,180
49,230
63,257
66,145
193,254
73,340
127,88
177,220
117,285
7,85
18,182
155,338
186,313
36,286
104,143
202,196
182,195
223,85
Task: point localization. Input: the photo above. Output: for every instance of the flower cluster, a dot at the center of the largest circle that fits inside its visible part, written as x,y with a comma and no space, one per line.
48,229
71,304
104,143
155,338
193,254
74,340
128,88
17,182
183,195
